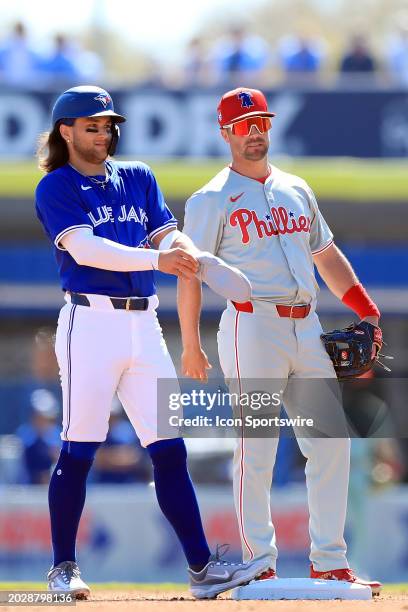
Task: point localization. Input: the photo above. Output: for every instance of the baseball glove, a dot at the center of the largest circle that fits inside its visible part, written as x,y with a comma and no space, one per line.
355,349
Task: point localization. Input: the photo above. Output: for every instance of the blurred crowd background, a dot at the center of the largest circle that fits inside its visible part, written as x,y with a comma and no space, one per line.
278,43
33,412
280,46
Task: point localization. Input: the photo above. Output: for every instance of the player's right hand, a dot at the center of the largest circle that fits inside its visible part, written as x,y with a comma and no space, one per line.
178,262
194,364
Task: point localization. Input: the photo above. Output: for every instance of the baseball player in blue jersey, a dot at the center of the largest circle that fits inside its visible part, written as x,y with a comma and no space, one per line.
102,216
268,223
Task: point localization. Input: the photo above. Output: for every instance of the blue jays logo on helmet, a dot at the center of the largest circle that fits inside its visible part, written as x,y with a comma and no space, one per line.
246,99
104,98
84,101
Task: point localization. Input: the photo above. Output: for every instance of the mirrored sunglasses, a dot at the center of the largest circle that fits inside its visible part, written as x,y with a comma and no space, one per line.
243,127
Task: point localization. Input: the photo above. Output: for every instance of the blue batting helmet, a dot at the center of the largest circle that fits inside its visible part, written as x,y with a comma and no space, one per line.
84,101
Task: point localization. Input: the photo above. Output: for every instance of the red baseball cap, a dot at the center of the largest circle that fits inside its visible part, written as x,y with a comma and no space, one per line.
241,103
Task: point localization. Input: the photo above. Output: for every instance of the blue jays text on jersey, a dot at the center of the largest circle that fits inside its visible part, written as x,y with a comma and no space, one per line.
129,209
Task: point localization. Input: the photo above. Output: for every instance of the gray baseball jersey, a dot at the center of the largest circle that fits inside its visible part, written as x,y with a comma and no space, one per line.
269,231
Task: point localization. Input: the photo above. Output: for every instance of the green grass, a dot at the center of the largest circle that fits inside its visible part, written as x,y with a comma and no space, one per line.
393,589
340,178
389,589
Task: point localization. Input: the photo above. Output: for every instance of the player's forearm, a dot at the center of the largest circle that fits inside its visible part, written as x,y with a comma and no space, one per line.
189,309
184,242
96,252
340,278
172,239
335,270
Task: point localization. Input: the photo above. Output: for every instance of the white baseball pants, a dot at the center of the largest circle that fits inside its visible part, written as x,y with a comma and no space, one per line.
102,351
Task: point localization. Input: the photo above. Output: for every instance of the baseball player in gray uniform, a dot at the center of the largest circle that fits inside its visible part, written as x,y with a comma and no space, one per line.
267,223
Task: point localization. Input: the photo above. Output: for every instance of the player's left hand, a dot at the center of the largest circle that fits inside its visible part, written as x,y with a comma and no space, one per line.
194,364
355,349
377,344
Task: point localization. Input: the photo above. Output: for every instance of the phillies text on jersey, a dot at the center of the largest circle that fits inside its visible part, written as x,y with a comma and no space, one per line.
270,231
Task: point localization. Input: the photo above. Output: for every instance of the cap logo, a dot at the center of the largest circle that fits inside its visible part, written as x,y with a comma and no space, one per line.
104,99
220,116
246,99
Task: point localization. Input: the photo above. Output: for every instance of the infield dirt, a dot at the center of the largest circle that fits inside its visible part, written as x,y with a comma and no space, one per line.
142,601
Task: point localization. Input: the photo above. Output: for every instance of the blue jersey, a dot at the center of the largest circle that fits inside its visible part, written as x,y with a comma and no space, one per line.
129,209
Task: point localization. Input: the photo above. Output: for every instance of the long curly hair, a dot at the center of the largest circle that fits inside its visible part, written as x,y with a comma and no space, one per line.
52,151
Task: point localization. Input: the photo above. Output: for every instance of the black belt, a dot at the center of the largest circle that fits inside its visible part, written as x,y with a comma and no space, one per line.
117,303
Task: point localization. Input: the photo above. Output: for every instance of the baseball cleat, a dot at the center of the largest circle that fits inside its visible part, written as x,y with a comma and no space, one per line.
267,575
347,575
219,576
66,577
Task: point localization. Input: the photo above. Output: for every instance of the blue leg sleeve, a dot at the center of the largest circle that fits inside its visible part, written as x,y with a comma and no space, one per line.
177,499
66,496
